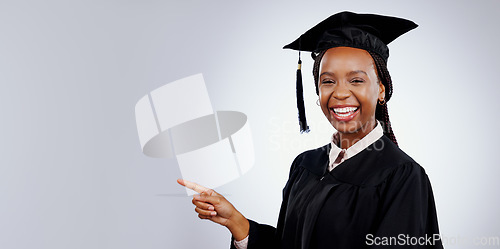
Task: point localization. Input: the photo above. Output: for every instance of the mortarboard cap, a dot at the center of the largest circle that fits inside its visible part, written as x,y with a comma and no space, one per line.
347,29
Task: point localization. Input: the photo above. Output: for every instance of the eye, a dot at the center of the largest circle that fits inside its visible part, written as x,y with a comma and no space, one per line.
327,81
357,81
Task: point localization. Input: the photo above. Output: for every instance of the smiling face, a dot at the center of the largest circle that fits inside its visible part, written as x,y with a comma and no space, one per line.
349,90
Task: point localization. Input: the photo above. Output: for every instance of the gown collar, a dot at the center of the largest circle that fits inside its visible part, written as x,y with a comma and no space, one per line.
338,155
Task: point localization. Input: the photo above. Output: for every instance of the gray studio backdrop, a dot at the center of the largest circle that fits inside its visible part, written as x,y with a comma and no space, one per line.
72,174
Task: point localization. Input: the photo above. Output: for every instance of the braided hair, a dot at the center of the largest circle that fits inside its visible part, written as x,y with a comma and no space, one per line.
381,112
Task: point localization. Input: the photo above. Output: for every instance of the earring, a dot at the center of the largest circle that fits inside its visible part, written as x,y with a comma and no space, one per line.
317,102
381,102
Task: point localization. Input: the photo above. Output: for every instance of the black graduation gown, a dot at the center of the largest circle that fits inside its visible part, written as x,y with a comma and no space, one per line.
379,198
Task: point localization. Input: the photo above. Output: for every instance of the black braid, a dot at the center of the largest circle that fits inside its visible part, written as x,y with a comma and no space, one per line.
381,112
317,62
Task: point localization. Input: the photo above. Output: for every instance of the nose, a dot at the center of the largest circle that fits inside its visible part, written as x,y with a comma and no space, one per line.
341,91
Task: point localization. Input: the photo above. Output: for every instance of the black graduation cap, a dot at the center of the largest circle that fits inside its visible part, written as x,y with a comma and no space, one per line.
347,29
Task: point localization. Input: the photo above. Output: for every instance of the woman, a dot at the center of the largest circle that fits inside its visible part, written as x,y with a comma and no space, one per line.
360,190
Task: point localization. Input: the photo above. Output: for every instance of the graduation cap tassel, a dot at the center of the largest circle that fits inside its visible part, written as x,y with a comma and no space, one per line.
300,100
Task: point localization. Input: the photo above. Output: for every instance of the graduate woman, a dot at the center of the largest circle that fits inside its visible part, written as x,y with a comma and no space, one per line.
360,190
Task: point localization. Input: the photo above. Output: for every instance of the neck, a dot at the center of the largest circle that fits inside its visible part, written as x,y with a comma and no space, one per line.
349,139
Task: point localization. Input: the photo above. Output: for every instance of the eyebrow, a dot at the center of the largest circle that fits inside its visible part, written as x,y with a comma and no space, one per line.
327,73
348,74
357,72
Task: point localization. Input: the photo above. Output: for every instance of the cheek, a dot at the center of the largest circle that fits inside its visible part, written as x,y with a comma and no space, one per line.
368,98
324,96
371,102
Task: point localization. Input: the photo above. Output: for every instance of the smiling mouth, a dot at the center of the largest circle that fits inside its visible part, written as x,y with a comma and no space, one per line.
344,113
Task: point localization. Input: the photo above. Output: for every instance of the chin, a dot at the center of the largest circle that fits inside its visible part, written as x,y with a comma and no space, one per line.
346,127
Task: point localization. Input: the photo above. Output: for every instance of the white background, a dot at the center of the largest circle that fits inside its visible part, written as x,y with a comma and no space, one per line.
72,174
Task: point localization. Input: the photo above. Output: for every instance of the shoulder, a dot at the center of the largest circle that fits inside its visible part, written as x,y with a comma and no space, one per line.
314,160
397,165
308,155
378,163
390,154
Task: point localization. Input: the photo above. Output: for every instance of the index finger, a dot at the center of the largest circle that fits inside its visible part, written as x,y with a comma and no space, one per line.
191,185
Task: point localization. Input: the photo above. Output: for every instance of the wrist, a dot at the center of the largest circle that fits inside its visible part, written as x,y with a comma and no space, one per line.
239,227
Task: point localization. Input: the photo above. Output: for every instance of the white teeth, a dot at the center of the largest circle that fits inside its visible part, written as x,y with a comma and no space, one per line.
344,111
343,115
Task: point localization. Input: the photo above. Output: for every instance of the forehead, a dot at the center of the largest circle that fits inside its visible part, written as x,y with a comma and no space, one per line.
346,58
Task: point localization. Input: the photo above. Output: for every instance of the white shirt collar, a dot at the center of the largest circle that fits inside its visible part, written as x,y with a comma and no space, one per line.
359,146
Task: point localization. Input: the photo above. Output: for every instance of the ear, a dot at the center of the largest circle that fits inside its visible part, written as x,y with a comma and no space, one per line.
381,91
